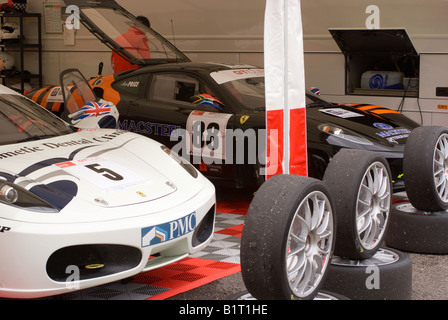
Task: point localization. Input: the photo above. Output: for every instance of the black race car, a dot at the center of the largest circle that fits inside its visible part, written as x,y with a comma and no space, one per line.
215,113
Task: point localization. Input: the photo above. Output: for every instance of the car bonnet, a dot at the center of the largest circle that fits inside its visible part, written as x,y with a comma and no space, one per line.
89,166
382,126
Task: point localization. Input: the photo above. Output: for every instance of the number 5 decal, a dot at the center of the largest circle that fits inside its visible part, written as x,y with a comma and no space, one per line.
95,169
105,172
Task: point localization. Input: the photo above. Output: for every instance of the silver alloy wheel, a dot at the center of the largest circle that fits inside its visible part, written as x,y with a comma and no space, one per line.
382,257
441,167
288,238
373,205
325,296
320,296
309,243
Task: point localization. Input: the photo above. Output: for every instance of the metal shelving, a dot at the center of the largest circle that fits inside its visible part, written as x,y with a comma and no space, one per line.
23,48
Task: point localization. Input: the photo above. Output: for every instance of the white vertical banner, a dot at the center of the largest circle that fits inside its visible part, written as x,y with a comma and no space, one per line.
285,88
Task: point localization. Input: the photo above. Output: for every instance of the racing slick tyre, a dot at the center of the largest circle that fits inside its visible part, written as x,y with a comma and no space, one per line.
288,239
321,295
361,187
385,276
417,231
425,168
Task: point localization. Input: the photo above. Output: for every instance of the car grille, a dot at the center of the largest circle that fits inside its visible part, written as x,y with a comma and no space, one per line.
83,262
205,229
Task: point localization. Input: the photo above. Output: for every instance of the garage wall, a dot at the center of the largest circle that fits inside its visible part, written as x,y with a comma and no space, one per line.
424,21
232,32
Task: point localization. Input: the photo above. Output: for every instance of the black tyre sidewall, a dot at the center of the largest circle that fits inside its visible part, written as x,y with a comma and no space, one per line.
245,293
343,178
395,280
265,234
418,172
417,231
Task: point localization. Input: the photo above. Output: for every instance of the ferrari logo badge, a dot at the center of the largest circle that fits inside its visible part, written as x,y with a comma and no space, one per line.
243,119
141,194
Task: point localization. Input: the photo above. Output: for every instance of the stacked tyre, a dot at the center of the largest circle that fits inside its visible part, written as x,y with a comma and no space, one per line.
289,248
290,231
419,225
288,239
362,269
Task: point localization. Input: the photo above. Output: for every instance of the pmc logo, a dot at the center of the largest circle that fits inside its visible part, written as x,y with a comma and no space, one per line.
168,231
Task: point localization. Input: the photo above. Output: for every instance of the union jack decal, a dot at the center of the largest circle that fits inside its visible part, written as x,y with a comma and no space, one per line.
90,109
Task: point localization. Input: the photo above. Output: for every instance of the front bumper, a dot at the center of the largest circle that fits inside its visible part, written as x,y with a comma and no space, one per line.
47,259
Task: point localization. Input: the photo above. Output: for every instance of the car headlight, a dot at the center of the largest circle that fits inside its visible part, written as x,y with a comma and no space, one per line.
14,195
343,133
181,161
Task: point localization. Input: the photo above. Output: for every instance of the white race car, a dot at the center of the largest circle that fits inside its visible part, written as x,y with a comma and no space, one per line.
80,208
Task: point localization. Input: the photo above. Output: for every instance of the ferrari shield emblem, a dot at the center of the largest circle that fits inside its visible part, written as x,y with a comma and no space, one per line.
243,119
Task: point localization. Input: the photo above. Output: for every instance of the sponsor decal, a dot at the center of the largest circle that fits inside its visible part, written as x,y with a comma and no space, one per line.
394,135
131,84
391,133
231,75
384,126
168,231
149,128
4,229
55,145
55,95
395,138
341,113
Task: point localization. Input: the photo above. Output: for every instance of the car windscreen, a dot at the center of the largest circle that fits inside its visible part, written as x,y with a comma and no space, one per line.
313,100
23,120
130,37
77,91
248,87
248,91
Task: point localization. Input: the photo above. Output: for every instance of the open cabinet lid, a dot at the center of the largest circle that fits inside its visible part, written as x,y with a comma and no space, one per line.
111,24
374,42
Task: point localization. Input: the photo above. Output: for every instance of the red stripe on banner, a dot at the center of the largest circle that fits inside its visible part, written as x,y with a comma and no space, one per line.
297,136
275,143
